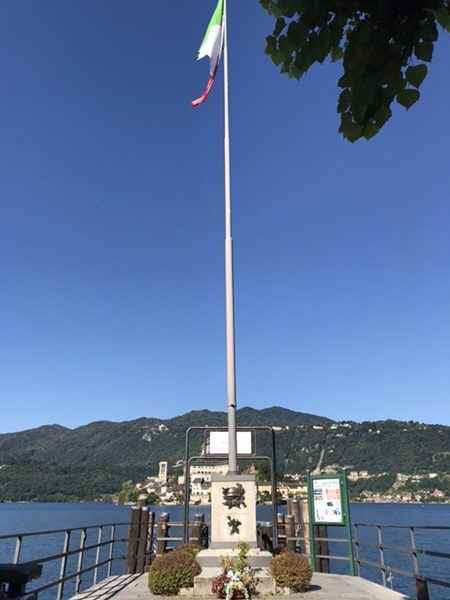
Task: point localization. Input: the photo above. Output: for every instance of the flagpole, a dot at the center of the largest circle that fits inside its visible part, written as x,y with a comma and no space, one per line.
229,284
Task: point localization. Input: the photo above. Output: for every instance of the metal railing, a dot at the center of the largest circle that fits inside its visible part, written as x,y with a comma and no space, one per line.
380,551
366,551
91,549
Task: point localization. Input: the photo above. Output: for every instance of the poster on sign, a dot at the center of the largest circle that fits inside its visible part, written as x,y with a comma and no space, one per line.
327,501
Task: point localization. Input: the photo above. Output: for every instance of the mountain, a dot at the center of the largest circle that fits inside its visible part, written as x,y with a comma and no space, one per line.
57,463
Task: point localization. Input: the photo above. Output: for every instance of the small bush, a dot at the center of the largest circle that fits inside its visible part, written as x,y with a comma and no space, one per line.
192,549
291,570
171,572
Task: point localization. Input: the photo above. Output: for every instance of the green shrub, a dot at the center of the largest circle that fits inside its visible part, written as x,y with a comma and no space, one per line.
291,570
192,549
171,572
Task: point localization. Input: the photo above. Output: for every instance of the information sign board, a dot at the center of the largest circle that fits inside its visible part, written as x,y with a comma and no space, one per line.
327,499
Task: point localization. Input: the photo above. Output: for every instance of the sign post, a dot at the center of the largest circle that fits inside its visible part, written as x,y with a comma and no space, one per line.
328,505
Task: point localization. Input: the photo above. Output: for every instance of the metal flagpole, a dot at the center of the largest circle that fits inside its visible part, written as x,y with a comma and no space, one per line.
229,294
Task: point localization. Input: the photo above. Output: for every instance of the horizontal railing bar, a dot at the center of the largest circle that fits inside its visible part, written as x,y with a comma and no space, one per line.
404,549
330,556
432,553
437,581
388,569
75,551
385,568
73,575
326,539
52,531
170,539
402,526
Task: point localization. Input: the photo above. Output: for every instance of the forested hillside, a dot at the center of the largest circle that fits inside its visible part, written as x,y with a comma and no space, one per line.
56,463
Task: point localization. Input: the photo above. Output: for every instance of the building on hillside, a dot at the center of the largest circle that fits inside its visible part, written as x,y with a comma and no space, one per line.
162,477
205,471
286,490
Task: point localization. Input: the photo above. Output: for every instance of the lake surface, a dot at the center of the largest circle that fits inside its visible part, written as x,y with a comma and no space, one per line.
24,518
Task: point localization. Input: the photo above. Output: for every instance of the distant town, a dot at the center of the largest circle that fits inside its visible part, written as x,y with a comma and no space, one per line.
385,461
162,489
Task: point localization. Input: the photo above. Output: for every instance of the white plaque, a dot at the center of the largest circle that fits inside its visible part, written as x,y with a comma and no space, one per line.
218,442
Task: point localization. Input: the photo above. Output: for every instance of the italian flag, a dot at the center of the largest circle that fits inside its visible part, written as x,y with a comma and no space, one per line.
212,47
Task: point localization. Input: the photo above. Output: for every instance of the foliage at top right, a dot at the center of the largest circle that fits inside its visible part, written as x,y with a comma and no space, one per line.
384,46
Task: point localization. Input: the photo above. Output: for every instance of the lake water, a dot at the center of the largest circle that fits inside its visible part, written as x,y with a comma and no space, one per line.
24,518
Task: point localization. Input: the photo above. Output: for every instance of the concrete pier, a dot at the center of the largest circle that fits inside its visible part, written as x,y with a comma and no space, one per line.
323,587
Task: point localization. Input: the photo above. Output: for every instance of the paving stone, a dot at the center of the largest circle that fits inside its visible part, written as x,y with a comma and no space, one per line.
323,587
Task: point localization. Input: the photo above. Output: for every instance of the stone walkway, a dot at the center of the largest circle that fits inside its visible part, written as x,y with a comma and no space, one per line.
323,587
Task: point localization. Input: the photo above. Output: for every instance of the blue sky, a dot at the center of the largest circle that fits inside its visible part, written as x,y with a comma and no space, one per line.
111,228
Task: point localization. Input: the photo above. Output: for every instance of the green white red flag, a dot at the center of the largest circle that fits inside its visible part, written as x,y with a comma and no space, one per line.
212,47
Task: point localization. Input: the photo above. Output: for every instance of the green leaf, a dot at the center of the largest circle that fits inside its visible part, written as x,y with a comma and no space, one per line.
424,51
351,131
358,110
344,101
383,114
345,81
279,26
336,31
275,11
285,46
294,72
277,57
415,75
408,97
271,45
370,130
286,66
428,31
314,46
297,33
336,54
443,18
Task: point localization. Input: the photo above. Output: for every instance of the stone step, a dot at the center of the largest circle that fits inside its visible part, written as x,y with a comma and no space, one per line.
256,558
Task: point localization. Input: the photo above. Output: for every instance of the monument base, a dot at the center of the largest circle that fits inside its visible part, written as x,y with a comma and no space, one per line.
233,520
209,561
233,511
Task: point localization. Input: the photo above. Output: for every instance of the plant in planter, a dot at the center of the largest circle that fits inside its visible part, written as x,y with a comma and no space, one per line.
291,570
236,579
170,572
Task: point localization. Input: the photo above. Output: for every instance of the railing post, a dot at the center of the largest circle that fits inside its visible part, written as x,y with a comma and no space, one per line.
294,510
381,550
306,528
97,553
17,549
142,542
197,529
356,542
421,583
422,589
415,563
83,537
161,532
62,572
321,547
133,537
291,542
111,550
281,531
150,533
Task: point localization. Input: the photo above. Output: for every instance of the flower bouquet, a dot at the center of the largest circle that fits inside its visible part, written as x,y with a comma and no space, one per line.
236,579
